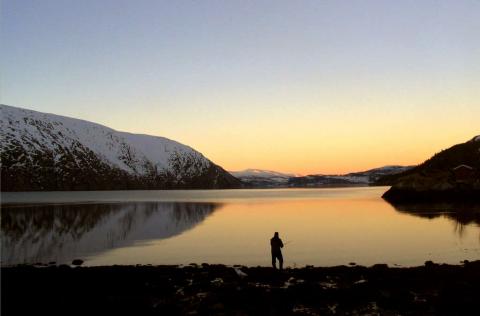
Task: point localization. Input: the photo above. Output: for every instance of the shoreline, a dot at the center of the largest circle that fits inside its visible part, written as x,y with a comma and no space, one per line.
214,289
15,198
80,263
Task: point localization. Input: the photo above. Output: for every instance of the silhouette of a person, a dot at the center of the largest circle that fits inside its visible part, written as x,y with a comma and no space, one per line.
276,245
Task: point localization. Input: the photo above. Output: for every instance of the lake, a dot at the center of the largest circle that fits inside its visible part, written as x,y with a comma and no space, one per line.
321,227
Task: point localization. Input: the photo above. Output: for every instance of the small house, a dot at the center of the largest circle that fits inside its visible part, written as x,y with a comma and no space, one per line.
463,173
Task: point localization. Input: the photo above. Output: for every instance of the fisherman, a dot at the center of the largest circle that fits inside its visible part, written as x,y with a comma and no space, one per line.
276,245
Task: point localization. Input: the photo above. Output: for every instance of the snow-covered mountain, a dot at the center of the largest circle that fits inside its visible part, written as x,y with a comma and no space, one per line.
268,179
367,177
262,178
372,175
43,151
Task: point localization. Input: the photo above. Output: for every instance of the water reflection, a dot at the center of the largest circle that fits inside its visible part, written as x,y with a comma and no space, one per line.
319,227
42,233
461,214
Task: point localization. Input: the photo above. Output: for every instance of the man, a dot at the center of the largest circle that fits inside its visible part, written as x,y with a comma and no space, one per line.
276,245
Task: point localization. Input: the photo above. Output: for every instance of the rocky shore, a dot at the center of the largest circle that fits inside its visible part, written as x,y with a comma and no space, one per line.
431,289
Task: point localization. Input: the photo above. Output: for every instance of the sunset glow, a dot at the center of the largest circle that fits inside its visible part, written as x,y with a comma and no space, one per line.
322,87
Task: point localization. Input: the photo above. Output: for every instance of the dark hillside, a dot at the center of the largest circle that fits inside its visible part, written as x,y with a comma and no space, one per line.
451,174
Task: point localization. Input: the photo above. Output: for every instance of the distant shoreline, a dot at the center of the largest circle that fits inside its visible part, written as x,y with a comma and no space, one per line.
98,196
323,186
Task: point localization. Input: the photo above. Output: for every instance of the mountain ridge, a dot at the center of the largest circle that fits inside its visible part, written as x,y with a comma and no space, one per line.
43,151
259,178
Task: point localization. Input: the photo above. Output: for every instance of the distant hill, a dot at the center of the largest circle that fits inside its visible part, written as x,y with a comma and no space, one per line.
367,177
270,179
43,151
259,178
453,173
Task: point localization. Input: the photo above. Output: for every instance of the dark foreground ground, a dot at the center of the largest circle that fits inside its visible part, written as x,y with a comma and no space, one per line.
219,290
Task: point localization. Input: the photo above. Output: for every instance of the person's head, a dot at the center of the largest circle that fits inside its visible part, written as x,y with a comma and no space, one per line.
275,235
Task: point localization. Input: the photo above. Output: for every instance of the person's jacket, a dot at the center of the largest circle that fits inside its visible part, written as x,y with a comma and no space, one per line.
276,244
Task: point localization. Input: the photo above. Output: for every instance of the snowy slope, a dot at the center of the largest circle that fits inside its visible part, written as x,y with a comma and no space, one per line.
33,140
261,173
372,175
268,178
265,177
354,178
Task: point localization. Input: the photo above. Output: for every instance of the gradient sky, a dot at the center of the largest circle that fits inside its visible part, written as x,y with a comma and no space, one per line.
293,86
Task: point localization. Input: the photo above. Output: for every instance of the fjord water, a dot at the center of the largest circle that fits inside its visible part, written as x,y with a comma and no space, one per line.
321,227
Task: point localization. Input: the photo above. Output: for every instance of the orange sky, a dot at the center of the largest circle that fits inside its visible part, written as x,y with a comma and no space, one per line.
317,87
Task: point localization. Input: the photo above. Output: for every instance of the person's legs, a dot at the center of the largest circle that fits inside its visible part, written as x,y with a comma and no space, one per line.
280,260
274,261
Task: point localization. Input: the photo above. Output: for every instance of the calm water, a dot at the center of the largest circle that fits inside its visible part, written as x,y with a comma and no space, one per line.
318,226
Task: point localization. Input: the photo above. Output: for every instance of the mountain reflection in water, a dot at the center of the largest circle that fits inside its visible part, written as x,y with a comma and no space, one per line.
43,233
318,226
461,214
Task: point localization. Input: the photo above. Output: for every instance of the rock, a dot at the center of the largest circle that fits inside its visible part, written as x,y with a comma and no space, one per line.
218,307
168,290
380,266
77,262
239,272
429,264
